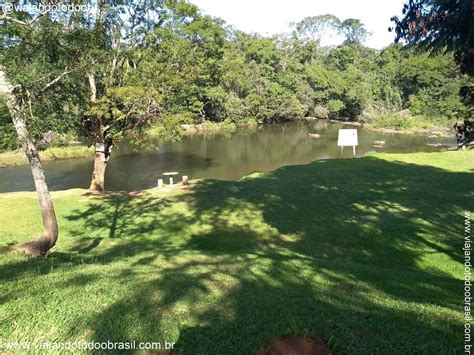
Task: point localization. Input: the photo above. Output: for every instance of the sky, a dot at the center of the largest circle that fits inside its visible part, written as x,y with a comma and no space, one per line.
269,17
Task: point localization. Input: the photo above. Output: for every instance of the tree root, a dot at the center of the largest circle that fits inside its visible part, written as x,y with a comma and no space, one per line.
34,248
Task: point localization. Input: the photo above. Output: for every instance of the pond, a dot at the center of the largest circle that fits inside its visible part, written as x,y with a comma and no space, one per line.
217,156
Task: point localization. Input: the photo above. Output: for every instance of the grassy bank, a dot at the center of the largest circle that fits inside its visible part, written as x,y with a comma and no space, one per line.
53,153
365,253
411,124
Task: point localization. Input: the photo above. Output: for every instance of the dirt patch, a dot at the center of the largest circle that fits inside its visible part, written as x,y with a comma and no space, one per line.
295,345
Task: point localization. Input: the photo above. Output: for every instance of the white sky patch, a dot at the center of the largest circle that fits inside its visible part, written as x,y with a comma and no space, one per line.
269,17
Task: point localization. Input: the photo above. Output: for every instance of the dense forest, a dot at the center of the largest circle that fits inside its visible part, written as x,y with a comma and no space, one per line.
167,64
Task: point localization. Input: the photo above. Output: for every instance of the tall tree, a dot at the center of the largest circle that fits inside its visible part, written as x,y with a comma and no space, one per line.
315,28
122,100
354,31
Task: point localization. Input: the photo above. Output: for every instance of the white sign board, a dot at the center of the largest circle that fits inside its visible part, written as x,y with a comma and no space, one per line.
347,137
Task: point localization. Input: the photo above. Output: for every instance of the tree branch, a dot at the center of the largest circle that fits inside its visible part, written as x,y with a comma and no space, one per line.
28,24
52,82
8,18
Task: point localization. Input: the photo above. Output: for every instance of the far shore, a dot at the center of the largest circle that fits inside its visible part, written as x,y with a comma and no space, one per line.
433,131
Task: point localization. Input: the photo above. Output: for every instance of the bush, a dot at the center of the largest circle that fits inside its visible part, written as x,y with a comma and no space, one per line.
320,111
335,107
415,105
275,104
234,109
393,121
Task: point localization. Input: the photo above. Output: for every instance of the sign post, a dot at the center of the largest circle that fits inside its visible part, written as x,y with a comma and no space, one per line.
348,137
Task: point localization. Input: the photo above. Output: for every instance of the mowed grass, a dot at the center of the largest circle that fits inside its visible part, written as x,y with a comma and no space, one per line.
364,253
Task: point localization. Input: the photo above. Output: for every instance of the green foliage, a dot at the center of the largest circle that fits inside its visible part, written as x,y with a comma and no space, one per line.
274,104
441,26
124,109
169,128
354,31
416,105
335,107
320,111
314,28
7,131
215,106
393,121
432,85
189,65
33,57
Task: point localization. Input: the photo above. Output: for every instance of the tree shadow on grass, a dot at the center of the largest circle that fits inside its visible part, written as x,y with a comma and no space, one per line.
365,253
114,216
382,225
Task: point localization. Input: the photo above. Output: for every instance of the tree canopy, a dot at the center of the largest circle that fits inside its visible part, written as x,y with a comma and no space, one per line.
165,63
440,25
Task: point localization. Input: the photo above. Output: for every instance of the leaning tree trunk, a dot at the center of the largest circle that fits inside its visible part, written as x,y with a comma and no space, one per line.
44,243
101,151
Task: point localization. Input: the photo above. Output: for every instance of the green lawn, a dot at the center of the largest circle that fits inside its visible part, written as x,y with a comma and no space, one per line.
365,253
